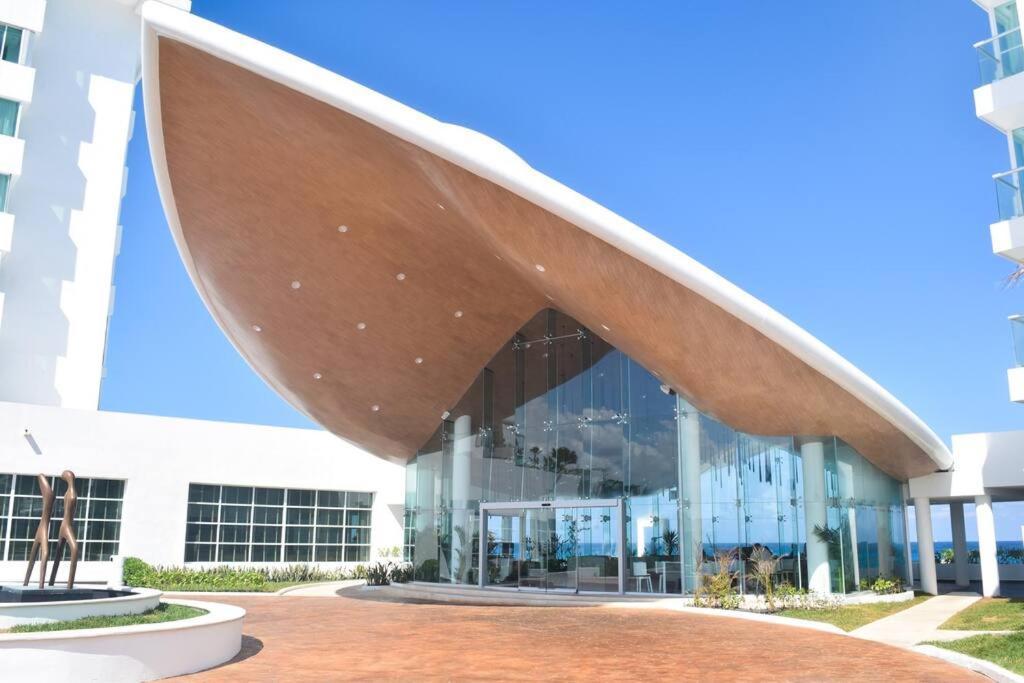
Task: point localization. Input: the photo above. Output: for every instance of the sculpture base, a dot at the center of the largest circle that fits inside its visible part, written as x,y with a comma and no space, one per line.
32,593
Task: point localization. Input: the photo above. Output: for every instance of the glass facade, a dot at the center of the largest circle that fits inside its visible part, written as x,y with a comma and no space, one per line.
1002,55
97,516
253,524
581,471
5,183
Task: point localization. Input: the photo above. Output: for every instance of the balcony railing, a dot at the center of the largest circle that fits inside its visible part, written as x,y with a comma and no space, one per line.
1000,57
1009,199
1017,332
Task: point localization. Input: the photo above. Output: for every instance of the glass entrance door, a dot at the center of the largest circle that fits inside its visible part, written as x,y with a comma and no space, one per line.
567,547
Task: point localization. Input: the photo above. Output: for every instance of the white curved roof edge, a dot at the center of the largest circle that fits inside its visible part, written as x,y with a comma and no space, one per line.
505,169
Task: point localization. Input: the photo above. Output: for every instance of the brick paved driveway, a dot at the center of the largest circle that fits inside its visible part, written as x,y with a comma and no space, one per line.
346,638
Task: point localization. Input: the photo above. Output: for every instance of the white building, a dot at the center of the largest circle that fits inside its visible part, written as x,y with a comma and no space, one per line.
65,121
987,468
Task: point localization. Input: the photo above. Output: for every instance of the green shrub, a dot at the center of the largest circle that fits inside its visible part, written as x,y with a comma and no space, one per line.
379,574
230,579
401,573
137,573
718,590
884,586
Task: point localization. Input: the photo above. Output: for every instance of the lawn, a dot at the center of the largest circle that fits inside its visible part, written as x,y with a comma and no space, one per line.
989,614
1006,651
851,617
164,612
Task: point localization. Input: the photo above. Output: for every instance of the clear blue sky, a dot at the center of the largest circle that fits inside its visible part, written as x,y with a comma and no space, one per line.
823,156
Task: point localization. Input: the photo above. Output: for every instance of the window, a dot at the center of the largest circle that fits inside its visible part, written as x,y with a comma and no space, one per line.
97,517
10,44
5,182
8,117
252,524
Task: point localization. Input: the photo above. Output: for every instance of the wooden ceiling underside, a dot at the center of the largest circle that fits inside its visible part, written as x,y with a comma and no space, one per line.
263,176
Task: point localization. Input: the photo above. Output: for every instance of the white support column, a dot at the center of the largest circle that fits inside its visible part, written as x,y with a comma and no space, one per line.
462,450
987,546
812,455
688,425
925,546
956,519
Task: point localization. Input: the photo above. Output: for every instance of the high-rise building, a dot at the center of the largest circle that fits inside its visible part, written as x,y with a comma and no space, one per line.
999,101
168,490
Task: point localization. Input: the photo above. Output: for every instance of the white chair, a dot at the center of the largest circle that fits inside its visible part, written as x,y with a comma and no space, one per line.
641,576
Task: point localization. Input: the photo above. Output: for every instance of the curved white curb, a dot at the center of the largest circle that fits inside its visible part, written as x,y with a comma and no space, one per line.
126,653
14,613
985,668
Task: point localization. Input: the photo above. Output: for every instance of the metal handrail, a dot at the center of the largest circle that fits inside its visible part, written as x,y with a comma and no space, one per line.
997,37
997,176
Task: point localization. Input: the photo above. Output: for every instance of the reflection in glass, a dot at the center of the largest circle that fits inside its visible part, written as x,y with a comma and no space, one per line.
559,416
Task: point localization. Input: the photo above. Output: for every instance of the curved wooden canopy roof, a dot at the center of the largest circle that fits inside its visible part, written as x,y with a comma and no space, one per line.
368,260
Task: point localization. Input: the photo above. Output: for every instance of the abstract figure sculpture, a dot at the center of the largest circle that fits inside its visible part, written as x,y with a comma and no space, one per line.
41,541
66,535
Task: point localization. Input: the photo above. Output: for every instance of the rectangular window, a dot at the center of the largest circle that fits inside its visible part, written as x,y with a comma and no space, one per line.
252,524
10,43
5,183
8,117
97,515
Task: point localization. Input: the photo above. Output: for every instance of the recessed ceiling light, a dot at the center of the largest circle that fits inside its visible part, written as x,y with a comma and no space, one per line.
296,284
375,407
458,314
441,206
445,415
342,228
400,277
549,297
360,326
498,257
605,328
539,267
257,328
317,375
419,361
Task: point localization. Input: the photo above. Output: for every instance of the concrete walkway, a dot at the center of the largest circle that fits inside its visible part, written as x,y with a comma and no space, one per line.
919,623
319,590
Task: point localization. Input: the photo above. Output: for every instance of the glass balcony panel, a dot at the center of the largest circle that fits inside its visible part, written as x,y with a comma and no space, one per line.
1008,195
1017,330
1000,57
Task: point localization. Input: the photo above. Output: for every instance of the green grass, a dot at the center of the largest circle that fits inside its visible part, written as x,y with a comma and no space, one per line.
989,614
851,617
164,612
1006,651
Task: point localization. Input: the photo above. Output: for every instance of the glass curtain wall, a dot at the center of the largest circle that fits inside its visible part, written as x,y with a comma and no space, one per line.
560,415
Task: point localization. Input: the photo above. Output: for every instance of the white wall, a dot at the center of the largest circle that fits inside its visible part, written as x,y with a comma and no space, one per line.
159,456
980,461
56,280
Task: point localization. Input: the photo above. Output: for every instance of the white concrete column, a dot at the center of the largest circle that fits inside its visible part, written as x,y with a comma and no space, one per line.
925,546
690,545
812,456
462,451
883,528
987,546
956,519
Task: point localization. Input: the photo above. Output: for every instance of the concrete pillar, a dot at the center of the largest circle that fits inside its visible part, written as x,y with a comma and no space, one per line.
925,546
956,519
987,546
462,451
883,528
812,455
691,540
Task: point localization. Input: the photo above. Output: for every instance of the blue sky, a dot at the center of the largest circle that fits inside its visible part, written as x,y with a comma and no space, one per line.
823,156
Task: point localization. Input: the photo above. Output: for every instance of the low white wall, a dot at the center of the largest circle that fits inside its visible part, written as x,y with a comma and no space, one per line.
947,572
159,456
130,653
14,613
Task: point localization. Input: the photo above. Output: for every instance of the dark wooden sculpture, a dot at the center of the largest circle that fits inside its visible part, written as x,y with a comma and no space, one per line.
41,541
66,535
